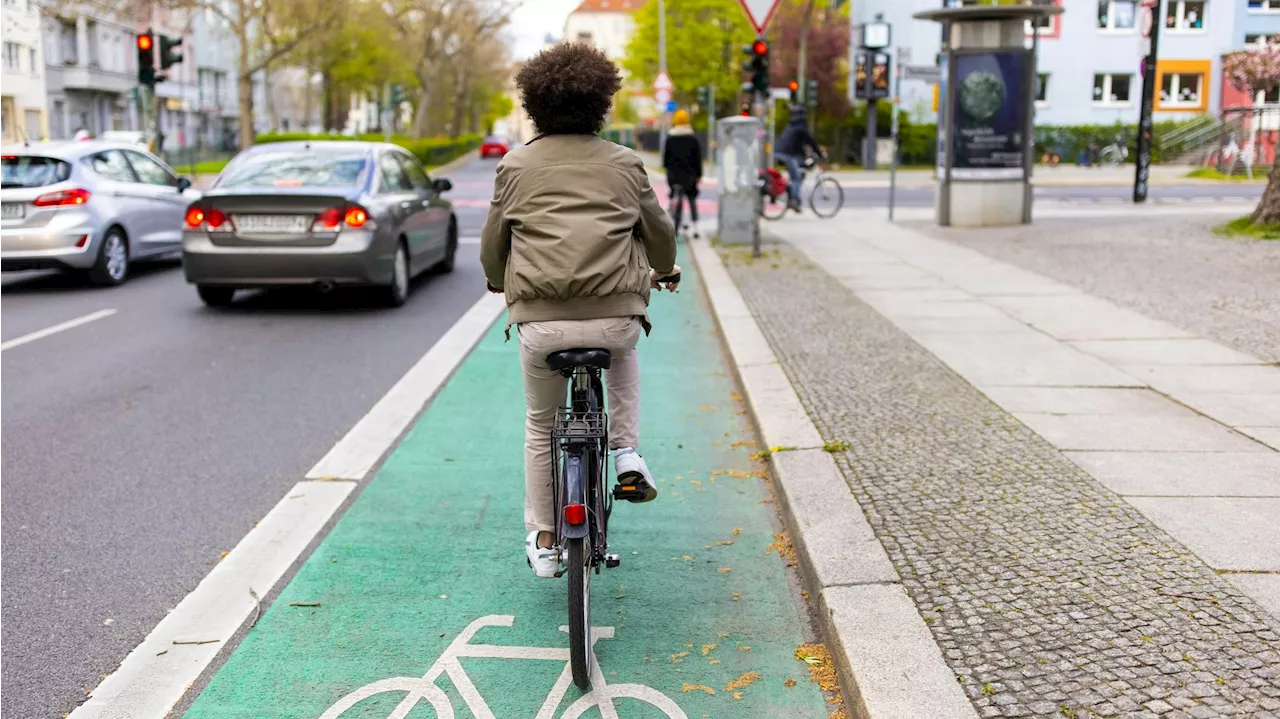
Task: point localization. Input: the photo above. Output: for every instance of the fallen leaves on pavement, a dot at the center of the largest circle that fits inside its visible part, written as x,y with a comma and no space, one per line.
742,682
698,688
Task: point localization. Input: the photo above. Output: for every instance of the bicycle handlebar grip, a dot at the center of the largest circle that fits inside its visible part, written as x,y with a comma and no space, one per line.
672,278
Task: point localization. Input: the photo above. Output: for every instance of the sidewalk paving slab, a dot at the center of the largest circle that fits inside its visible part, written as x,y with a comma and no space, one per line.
1048,594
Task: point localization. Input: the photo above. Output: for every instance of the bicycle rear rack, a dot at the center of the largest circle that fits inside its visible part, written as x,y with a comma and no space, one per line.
580,426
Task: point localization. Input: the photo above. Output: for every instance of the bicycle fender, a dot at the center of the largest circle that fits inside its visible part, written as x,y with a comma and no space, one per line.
575,491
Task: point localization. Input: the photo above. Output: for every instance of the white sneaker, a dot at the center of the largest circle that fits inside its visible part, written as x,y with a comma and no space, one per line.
544,561
635,484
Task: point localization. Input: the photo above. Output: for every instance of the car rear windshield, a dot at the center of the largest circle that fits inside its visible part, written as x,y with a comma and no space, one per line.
297,168
33,171
494,140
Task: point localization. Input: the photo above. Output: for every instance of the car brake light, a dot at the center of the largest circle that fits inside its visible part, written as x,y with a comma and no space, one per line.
195,216
356,217
214,219
575,514
62,198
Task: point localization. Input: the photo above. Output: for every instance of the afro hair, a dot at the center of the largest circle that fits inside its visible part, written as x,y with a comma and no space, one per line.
568,89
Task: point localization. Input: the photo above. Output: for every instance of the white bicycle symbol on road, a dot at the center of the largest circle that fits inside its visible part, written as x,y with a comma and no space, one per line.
424,688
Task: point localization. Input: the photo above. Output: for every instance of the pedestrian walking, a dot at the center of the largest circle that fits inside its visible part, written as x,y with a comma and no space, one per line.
682,159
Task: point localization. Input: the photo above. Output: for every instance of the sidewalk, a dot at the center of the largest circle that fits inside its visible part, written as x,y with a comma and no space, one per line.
1068,508
703,610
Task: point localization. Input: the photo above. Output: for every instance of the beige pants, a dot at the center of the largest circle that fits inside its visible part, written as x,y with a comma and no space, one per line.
544,393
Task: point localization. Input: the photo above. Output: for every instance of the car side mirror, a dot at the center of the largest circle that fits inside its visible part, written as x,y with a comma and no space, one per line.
441,185
183,184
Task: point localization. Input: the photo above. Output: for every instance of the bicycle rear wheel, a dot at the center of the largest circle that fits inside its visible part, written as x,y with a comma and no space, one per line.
773,208
827,197
578,567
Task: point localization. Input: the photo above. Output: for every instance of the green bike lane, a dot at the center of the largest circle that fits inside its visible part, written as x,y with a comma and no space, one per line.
701,609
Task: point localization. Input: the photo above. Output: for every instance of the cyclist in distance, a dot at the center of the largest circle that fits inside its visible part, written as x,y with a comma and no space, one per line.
575,239
682,159
790,150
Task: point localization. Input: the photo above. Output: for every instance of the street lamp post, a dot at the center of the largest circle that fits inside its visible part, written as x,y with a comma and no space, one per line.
662,70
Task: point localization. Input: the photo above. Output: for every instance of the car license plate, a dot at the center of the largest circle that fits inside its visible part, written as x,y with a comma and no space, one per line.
14,211
284,224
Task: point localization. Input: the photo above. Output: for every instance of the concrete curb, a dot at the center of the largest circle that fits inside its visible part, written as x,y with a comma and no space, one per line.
889,665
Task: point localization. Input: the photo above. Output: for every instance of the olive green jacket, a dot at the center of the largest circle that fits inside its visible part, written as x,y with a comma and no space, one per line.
573,230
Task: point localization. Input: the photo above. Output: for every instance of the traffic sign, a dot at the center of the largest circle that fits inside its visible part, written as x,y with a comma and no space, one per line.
760,12
663,82
928,73
671,105
662,97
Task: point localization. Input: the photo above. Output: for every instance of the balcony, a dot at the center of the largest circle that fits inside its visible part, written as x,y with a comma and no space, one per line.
84,77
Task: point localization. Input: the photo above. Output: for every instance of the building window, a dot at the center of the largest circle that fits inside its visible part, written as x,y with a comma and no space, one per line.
1264,5
1268,97
35,65
11,55
68,42
1042,88
1117,14
1111,89
1255,40
1185,15
584,37
1180,89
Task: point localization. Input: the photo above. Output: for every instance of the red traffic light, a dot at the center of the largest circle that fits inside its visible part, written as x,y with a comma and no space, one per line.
760,47
144,42
794,86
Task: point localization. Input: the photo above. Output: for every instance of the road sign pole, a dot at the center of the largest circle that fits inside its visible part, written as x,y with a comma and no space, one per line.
1150,77
662,70
893,163
869,142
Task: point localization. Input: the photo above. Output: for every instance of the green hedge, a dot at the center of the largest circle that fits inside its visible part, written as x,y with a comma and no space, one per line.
431,152
918,143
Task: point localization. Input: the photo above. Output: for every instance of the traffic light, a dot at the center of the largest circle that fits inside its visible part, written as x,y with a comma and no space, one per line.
745,110
811,93
704,97
794,87
397,94
146,59
169,58
758,65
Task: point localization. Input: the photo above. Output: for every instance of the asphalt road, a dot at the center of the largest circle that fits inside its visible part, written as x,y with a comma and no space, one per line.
139,447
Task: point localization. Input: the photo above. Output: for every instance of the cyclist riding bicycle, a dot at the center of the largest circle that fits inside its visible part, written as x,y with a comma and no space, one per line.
682,159
575,239
790,151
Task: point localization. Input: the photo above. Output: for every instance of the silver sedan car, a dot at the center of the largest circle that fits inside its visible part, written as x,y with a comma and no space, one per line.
324,214
94,207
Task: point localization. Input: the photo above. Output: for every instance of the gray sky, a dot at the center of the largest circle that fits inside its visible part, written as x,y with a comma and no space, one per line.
533,20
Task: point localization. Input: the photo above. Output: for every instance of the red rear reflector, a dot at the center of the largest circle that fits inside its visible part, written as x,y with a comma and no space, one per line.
215,218
62,198
356,217
84,240
575,514
194,216
331,217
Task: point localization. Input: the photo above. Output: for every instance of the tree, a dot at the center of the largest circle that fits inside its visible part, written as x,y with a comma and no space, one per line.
826,52
438,33
1255,71
704,47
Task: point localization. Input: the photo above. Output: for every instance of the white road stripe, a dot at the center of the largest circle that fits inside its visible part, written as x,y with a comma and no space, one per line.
158,672
355,454
469,240
69,324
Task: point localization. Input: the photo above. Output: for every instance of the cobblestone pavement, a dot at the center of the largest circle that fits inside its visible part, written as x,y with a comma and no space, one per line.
1171,268
1049,595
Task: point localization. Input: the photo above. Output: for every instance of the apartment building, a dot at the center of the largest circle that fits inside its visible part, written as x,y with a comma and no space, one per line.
1089,56
91,71
216,59
607,24
22,82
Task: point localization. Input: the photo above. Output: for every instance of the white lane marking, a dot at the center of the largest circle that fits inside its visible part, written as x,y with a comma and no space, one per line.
468,240
69,324
355,454
157,673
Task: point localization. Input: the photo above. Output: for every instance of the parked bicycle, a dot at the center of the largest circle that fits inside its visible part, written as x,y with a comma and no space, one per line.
825,194
1115,153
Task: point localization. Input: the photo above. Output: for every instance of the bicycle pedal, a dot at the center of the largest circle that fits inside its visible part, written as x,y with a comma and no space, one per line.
627,492
612,560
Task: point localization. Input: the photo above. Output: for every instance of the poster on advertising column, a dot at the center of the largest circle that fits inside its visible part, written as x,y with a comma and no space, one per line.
990,116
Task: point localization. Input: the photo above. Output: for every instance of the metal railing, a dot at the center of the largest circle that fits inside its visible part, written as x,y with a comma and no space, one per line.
1244,141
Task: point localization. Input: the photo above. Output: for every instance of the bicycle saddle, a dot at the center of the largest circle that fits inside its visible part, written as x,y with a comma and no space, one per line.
568,359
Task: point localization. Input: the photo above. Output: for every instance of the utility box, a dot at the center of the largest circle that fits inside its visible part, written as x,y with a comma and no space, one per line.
986,113
739,158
